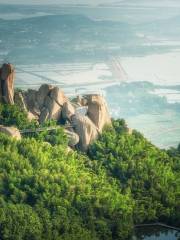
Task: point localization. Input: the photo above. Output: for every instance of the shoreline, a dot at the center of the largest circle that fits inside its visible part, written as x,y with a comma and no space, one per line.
157,224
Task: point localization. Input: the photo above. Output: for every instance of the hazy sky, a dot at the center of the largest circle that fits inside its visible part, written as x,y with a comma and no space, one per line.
55,1
94,2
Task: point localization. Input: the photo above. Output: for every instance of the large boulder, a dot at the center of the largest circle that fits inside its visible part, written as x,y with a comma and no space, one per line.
11,131
50,101
44,104
73,138
58,96
98,111
53,108
7,75
42,93
86,131
68,111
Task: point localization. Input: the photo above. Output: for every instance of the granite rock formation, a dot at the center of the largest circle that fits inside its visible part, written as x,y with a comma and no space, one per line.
43,104
87,115
98,111
7,75
83,117
68,110
86,131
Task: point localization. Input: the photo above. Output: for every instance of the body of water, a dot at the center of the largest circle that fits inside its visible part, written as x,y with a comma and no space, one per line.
156,233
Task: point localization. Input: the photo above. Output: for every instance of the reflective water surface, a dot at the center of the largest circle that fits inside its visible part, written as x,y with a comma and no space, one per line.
156,233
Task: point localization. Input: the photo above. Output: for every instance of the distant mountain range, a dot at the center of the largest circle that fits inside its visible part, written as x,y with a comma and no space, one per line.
70,37
57,37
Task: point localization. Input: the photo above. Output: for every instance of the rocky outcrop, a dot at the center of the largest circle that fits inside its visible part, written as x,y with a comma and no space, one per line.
98,111
19,100
42,93
7,75
68,111
53,103
30,99
58,96
86,115
43,104
52,108
11,131
86,131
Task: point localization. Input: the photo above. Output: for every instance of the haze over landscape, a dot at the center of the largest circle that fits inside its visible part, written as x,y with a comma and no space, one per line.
174,3
87,46
90,128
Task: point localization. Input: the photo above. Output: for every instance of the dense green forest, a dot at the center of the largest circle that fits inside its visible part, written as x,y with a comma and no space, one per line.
47,192
148,173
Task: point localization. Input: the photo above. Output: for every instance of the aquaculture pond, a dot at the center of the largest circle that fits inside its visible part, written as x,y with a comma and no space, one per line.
156,233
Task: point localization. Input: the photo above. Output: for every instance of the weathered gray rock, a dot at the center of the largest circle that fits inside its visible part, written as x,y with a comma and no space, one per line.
58,96
11,131
98,111
86,131
73,138
50,101
67,111
31,101
19,100
42,93
53,108
7,75
44,115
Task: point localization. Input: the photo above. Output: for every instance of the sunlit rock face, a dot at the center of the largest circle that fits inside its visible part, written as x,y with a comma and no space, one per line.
52,106
43,104
86,130
11,131
86,119
98,111
83,118
68,110
42,94
7,75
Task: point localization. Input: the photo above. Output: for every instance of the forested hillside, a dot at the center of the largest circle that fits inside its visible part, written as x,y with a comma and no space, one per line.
148,173
49,192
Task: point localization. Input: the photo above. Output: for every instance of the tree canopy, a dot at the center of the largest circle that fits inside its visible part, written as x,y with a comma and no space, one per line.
151,175
49,192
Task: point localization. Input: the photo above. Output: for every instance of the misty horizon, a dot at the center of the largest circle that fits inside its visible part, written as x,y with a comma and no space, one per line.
159,3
